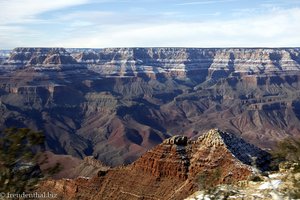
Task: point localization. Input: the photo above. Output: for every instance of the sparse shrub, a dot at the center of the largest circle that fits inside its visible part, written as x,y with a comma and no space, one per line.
255,178
287,157
20,151
209,179
287,151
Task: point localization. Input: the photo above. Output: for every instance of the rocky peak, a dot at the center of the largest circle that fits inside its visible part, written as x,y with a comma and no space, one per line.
172,170
212,138
169,159
179,157
239,148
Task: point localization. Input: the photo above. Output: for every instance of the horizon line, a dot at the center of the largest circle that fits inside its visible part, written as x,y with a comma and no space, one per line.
139,47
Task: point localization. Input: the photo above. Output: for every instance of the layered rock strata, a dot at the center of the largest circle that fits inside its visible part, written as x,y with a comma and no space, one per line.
172,170
179,62
117,103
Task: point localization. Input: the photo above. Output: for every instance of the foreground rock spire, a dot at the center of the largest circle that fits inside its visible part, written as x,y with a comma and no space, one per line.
172,170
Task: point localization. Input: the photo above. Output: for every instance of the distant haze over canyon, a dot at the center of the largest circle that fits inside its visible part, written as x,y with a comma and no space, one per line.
116,103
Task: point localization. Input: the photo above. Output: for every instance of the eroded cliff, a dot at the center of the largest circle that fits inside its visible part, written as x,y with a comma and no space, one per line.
117,103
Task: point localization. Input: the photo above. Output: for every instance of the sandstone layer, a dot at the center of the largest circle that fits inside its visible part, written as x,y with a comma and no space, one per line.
172,170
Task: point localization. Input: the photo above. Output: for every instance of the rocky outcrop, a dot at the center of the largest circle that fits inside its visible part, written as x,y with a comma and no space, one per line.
169,159
177,139
215,149
275,185
245,152
172,170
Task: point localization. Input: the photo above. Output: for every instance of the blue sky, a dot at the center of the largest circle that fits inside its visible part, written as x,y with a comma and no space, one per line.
149,23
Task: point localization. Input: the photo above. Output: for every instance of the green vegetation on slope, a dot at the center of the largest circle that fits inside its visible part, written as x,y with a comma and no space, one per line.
20,152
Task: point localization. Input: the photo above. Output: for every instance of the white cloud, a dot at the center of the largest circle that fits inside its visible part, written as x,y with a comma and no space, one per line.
20,11
15,15
274,29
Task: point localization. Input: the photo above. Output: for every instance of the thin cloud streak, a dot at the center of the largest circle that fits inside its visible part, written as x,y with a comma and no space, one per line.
204,2
26,11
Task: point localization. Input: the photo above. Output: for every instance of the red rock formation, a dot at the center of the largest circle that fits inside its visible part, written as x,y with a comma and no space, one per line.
166,160
172,170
